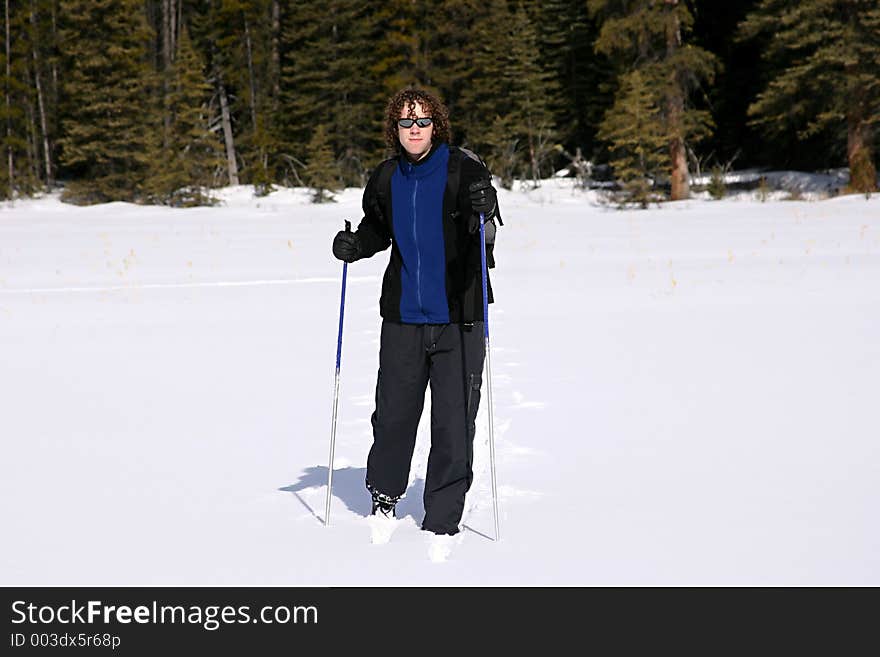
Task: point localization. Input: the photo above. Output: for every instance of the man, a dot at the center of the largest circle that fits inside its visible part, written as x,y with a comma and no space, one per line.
425,203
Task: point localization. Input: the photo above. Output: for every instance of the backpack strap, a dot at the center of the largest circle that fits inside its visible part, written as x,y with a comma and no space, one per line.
455,175
383,188
473,156
453,179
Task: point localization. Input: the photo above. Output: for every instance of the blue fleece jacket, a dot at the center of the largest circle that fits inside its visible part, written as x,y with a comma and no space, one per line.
417,210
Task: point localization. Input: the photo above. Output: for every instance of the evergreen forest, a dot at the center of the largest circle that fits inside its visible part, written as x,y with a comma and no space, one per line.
160,101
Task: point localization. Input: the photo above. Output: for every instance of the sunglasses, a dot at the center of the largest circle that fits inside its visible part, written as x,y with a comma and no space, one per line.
422,122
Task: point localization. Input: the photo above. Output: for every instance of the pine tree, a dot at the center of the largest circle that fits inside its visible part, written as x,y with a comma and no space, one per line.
468,69
240,41
635,131
566,36
454,35
265,151
109,89
185,165
260,144
517,132
322,173
650,36
218,30
399,58
829,51
325,80
18,138
42,44
532,93
503,149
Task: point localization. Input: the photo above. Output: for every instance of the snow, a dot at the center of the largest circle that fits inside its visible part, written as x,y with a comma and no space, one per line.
685,395
810,185
382,528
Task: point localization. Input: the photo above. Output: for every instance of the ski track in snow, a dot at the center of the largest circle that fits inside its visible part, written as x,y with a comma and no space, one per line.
173,286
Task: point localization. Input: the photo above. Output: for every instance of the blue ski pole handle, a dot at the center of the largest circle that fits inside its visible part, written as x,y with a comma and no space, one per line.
485,275
342,305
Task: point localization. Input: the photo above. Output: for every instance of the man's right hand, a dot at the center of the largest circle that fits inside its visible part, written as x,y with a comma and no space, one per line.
347,246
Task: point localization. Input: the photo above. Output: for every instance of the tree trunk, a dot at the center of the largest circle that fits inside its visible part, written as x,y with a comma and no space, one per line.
250,62
41,103
677,154
231,163
175,27
9,157
675,112
532,155
859,152
276,52
167,20
33,139
54,60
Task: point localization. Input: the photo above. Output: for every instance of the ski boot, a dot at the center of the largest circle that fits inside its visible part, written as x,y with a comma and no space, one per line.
383,505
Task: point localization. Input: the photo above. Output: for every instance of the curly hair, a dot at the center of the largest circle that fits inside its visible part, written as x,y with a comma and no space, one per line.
408,98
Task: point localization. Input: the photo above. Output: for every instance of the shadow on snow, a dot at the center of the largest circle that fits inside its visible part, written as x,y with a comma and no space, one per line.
350,489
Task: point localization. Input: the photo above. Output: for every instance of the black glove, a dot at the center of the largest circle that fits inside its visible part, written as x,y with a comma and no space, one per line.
347,246
483,199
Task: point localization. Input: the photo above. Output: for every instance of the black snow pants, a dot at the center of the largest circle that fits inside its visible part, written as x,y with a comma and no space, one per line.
451,358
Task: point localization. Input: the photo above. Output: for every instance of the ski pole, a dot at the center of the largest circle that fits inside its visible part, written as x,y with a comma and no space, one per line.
488,368
336,389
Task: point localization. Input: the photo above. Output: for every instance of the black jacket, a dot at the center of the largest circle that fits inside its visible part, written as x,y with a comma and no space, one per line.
464,286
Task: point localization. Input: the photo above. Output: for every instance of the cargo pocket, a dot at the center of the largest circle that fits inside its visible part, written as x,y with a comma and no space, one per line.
473,402
376,416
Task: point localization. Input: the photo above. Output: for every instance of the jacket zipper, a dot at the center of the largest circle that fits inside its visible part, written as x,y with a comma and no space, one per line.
418,252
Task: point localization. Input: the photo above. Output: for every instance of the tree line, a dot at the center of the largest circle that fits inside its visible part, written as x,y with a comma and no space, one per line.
159,101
